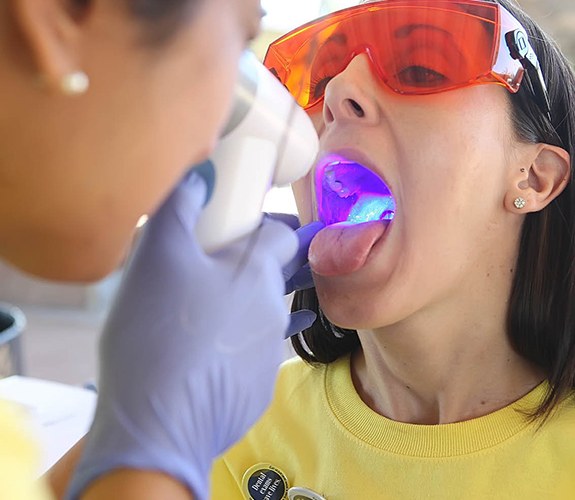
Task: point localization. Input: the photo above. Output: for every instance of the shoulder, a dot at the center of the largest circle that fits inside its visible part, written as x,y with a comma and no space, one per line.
561,423
298,381
19,457
556,434
300,403
299,408
14,433
295,383
295,372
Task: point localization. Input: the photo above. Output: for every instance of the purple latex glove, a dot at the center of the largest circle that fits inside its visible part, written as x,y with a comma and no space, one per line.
190,351
297,274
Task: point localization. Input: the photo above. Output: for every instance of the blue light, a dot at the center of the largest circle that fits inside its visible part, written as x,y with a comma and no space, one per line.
371,207
348,191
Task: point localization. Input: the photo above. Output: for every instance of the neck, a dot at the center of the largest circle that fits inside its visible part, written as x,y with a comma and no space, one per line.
441,367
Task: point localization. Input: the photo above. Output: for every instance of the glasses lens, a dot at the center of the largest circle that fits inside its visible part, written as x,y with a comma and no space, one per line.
433,49
415,47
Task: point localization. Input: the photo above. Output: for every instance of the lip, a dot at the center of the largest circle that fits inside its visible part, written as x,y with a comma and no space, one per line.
352,155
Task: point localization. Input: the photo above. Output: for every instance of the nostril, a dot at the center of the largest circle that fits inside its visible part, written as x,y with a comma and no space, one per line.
328,115
356,108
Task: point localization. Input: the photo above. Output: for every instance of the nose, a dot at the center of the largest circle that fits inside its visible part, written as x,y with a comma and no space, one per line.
352,95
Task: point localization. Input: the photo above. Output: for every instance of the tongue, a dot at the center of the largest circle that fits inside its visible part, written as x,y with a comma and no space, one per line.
343,248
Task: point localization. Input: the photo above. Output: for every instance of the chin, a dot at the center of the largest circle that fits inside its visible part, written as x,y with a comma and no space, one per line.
345,313
71,272
356,308
65,265
85,274
351,323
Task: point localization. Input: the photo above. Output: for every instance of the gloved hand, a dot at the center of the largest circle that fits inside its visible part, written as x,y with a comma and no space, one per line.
190,351
297,273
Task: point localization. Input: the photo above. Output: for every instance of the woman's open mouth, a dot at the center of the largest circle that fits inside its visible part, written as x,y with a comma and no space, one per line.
346,191
357,207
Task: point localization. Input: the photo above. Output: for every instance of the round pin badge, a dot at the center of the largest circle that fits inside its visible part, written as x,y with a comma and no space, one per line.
265,482
297,493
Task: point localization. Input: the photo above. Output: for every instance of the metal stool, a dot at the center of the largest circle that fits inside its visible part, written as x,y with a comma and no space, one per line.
12,324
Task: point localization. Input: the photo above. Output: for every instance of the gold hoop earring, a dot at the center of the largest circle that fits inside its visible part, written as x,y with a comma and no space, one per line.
74,83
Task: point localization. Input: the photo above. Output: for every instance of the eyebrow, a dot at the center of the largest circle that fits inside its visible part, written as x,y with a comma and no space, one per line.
338,38
405,31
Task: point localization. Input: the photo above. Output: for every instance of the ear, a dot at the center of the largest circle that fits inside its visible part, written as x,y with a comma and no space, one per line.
541,178
51,31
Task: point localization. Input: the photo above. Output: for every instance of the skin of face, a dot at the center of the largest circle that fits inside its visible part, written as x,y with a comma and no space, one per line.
448,159
76,173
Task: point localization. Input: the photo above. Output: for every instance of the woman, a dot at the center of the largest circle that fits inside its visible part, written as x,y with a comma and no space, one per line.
443,366
106,105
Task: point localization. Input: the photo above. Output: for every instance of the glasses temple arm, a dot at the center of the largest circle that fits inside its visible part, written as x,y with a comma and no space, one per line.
521,49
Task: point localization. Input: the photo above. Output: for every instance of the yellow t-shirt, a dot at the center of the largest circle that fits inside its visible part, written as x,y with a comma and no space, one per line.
18,459
322,436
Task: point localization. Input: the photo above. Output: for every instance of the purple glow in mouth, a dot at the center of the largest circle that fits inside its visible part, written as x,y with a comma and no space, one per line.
348,191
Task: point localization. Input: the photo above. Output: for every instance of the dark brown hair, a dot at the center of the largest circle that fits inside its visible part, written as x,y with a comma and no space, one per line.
541,314
161,18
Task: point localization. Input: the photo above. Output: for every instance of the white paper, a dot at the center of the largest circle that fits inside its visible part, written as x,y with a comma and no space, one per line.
60,414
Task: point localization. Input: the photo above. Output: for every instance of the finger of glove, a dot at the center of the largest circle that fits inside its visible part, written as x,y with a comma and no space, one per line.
290,219
184,204
172,227
302,280
206,171
300,321
304,234
276,239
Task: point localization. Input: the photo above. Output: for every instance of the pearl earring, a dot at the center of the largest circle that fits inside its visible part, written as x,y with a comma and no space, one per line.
74,83
519,202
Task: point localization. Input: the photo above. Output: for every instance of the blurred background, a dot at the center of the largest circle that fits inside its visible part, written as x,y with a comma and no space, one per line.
62,321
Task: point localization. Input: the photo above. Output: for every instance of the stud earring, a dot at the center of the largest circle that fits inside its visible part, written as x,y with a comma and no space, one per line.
74,83
519,202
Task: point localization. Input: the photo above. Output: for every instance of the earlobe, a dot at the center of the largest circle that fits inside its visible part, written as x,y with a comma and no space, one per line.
51,32
537,185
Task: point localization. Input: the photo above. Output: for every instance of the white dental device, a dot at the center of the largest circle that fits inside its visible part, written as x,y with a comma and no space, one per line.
269,141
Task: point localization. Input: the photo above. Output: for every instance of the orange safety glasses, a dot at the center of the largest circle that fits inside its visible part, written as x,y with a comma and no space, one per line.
415,47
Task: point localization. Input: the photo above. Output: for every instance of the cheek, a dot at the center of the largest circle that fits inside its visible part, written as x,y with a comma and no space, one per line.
211,98
457,170
219,78
209,52
303,188
316,117
303,197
